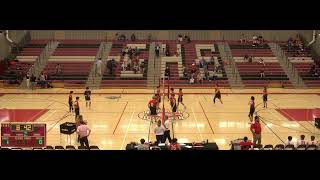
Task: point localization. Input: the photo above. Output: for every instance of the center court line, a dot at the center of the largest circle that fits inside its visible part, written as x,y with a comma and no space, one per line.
197,124
127,130
120,118
206,118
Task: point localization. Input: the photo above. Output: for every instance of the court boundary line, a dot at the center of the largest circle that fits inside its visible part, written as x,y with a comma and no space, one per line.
120,118
127,130
206,117
137,93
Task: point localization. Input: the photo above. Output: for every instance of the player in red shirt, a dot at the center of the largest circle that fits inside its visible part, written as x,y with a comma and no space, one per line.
153,107
245,144
256,130
265,97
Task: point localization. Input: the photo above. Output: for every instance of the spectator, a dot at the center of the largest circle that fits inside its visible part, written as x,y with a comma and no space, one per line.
301,141
143,145
124,66
312,141
33,81
149,37
212,60
256,130
133,37
174,145
185,72
200,78
246,57
313,70
167,72
58,69
42,80
28,80
159,131
99,67
113,64
157,50
193,68
261,61
206,74
180,38
84,132
260,39
187,39
250,59
135,67
245,144
262,75
290,142
243,39
167,52
141,67
255,40
191,79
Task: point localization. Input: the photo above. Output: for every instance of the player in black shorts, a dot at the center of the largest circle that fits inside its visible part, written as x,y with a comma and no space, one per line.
180,99
217,94
265,97
173,103
252,108
87,97
153,107
70,102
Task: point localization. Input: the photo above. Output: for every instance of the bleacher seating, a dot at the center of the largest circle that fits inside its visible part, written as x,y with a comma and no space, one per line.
302,63
250,71
76,59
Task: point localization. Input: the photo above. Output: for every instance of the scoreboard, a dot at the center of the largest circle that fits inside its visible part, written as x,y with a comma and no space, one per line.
23,135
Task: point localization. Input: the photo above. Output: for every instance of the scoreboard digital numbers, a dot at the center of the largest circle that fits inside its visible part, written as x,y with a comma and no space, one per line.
22,135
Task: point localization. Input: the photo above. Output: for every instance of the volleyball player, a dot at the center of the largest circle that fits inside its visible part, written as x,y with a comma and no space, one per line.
173,104
252,108
265,97
70,102
77,107
180,99
172,92
87,97
217,94
153,108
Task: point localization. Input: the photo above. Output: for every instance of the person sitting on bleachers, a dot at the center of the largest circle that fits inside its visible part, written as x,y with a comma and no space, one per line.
250,59
167,72
180,38
313,70
174,145
187,39
141,65
133,37
290,44
260,39
262,75
167,51
58,69
246,57
199,78
143,145
243,39
289,142
313,141
211,61
255,40
301,141
261,61
157,50
135,67
191,81
185,72
245,144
